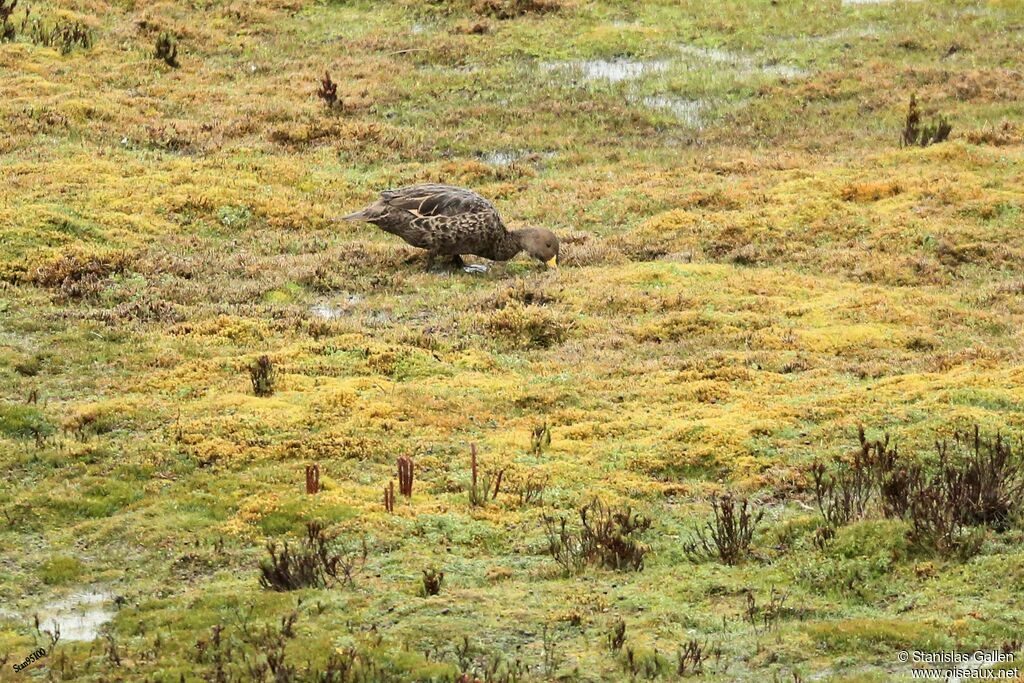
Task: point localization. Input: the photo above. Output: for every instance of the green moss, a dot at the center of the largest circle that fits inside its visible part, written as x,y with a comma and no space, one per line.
882,636
750,268
885,539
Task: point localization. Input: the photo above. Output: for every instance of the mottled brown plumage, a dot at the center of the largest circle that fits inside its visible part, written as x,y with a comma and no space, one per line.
450,221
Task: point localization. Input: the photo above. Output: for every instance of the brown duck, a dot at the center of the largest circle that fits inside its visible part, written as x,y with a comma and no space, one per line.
451,221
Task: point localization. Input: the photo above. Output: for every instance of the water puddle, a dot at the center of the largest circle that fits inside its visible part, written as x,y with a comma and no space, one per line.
333,311
742,63
617,70
509,157
689,112
501,158
79,616
845,34
614,70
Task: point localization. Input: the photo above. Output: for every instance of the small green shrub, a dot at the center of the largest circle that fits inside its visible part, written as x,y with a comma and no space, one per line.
328,91
263,376
642,662
917,134
617,636
432,581
607,538
540,438
973,484
167,50
24,422
314,563
729,532
8,32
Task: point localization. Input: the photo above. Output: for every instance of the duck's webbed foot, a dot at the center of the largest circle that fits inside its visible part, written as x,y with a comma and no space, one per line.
457,262
435,263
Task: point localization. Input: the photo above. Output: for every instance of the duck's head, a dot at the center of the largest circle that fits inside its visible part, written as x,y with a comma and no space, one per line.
541,244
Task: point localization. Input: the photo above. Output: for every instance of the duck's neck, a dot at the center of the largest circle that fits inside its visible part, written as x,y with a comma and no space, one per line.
507,246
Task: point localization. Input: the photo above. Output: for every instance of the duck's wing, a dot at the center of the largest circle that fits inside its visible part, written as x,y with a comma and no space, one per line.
436,200
442,218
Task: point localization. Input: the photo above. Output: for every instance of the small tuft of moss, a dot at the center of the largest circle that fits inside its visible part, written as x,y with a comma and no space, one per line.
530,327
61,569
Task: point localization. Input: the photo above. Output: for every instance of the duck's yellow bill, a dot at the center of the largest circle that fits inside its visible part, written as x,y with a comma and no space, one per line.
553,263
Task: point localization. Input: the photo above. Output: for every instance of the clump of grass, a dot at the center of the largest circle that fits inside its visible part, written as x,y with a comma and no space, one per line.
607,538
527,326
522,292
871,191
511,9
1003,134
328,91
433,578
263,376
473,28
166,50
77,275
29,367
916,134
728,534
93,420
314,564
63,34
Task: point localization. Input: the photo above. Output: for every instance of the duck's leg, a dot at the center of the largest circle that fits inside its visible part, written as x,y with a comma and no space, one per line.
429,260
458,263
